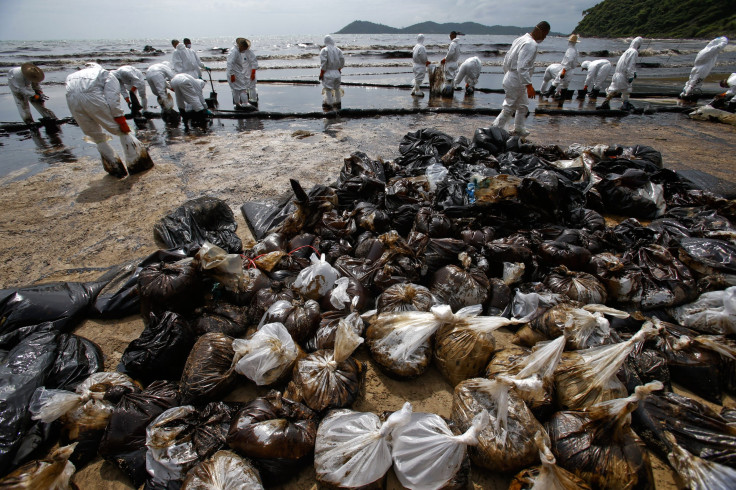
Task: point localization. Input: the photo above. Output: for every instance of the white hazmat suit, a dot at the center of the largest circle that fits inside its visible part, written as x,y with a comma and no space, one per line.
598,71
188,92
186,61
731,82
569,63
623,76
518,67
550,74
93,97
331,62
24,94
704,63
470,71
419,57
132,80
451,59
250,63
236,77
159,75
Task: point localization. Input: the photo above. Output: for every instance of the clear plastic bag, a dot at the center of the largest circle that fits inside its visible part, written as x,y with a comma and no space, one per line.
266,356
52,473
436,173
353,449
464,345
316,280
507,442
697,473
166,458
527,306
226,268
427,454
587,377
598,445
713,312
225,470
339,296
329,378
548,476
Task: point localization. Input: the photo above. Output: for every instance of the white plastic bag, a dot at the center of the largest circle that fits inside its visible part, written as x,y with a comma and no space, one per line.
49,405
353,449
588,327
427,454
339,296
266,355
316,280
527,306
436,173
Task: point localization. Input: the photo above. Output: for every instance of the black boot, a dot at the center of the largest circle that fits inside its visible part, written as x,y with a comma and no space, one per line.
184,117
605,106
594,93
550,91
581,93
627,106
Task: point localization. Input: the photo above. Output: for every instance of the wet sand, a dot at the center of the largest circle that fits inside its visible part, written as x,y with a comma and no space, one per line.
72,221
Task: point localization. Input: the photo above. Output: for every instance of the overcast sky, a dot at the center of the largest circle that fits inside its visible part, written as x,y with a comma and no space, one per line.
104,19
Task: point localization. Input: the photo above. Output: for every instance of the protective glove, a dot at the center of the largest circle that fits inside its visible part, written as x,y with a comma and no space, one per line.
631,80
127,101
36,97
530,91
585,88
634,74
562,73
208,113
321,74
123,124
133,89
252,74
232,78
208,68
427,63
443,61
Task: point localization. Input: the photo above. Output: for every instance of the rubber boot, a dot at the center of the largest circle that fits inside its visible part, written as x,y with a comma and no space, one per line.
184,116
550,91
519,118
502,119
417,91
469,90
111,161
338,99
594,93
605,106
327,98
581,93
136,155
627,106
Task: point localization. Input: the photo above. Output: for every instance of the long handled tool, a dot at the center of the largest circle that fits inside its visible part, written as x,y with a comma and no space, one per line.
212,100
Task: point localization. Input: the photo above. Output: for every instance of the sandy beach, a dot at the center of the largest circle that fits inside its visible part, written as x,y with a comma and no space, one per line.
72,221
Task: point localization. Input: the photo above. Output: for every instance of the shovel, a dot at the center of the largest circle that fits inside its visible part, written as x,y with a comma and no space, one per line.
212,100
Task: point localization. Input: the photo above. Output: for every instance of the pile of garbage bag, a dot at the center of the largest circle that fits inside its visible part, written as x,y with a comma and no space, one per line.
615,278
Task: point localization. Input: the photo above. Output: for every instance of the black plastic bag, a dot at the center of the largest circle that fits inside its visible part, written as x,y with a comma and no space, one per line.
124,441
492,139
170,287
706,255
262,216
199,220
222,317
62,305
119,298
161,350
23,369
76,359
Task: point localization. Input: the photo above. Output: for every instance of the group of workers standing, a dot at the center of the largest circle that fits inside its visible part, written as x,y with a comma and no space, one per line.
93,93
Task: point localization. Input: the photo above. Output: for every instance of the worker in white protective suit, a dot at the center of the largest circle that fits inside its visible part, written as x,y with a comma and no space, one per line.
24,83
730,84
251,65
132,85
598,71
623,77
704,63
569,63
450,64
470,72
186,61
421,62
193,55
189,98
159,75
236,75
331,63
518,67
550,75
93,97
726,100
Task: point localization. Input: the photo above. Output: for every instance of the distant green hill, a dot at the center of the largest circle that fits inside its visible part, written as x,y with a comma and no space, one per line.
364,27
660,18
